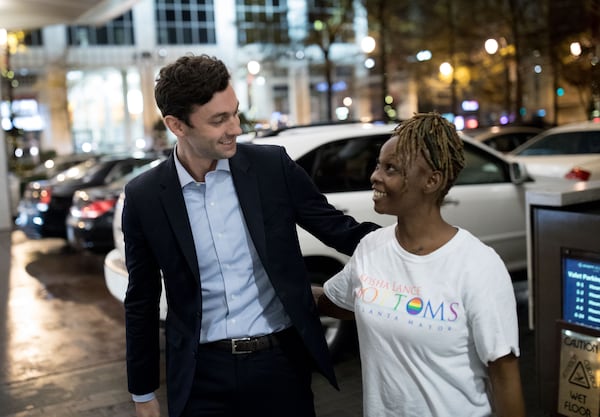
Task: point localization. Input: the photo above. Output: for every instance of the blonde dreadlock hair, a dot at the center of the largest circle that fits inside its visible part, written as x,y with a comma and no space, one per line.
434,137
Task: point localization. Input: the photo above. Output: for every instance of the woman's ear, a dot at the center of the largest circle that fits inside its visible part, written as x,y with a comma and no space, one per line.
434,183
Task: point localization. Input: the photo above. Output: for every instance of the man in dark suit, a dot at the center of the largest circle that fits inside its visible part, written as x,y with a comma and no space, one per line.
219,220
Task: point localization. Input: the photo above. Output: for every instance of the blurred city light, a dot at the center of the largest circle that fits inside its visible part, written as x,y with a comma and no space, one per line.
368,44
253,67
575,49
424,55
446,69
491,46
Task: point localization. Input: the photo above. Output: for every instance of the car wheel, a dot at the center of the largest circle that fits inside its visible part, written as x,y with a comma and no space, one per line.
337,332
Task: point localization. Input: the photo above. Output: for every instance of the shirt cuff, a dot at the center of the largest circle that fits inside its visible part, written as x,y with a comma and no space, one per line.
142,398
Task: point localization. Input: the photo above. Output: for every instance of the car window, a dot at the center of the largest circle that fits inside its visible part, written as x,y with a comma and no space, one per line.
121,182
508,141
481,168
82,170
565,143
344,165
123,168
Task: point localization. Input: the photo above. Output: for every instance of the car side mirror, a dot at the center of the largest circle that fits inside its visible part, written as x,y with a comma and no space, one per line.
517,172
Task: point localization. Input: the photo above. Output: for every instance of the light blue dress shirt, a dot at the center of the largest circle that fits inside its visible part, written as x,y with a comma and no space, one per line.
238,299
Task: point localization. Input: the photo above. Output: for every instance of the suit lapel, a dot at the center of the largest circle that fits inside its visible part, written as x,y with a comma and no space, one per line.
246,186
171,198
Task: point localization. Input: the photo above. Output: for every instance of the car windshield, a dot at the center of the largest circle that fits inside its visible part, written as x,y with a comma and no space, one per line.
79,171
564,143
121,182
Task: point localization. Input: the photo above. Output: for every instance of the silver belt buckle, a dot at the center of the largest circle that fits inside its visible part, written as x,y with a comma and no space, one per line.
235,350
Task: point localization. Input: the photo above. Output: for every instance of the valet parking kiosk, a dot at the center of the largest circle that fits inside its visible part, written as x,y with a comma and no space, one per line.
563,248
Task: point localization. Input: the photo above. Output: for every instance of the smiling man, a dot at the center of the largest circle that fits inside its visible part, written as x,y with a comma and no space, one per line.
218,220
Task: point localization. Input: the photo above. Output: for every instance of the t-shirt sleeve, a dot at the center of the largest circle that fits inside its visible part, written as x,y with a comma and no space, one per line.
492,311
340,288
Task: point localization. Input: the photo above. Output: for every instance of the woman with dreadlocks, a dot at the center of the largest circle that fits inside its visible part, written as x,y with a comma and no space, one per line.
434,307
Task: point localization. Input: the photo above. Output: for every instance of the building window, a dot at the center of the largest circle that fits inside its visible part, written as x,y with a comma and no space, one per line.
118,31
33,38
262,21
338,11
185,22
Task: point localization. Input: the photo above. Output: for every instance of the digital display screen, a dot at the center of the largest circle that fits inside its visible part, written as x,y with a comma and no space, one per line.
581,287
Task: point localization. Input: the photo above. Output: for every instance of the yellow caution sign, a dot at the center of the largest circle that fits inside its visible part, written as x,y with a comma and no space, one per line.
579,378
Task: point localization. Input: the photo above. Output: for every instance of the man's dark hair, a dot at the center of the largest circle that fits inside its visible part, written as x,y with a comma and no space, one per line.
190,81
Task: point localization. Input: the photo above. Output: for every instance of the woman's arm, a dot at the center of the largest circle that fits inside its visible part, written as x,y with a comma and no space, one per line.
327,308
506,387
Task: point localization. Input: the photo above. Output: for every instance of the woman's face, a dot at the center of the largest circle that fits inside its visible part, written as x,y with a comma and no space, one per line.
397,184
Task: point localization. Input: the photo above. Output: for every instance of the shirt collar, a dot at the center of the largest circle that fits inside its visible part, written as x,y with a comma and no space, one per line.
184,176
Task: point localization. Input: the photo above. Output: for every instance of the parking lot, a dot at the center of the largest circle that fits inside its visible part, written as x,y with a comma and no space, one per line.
62,346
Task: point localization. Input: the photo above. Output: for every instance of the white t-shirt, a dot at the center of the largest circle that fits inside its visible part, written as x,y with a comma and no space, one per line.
427,325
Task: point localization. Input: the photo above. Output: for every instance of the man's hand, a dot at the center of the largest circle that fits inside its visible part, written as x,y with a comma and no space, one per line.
148,409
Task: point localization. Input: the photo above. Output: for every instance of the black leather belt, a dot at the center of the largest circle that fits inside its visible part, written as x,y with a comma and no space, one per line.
245,344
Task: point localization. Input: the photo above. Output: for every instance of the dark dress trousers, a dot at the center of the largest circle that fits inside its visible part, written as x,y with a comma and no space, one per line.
275,195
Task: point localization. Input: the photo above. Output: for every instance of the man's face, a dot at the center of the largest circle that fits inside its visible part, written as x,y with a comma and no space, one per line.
214,128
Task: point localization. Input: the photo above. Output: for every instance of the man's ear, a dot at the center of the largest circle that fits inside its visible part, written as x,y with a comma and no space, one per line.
176,126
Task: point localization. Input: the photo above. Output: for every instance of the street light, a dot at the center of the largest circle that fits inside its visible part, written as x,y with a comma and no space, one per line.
446,69
492,46
253,69
368,44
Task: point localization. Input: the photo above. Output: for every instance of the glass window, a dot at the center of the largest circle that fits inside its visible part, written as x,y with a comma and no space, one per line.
33,38
333,10
344,165
180,22
509,141
566,143
262,22
481,168
118,31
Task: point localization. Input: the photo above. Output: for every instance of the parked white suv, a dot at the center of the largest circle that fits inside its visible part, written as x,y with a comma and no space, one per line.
488,200
570,152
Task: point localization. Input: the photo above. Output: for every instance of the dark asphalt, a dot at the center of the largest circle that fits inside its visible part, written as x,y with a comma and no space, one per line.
62,344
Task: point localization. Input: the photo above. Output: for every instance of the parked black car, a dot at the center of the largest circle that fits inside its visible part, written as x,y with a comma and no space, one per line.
90,219
44,206
54,166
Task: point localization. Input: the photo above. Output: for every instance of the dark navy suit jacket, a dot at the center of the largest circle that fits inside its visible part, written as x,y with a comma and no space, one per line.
275,195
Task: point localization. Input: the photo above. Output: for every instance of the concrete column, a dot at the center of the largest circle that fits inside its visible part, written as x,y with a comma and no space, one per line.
53,93
5,215
54,103
148,58
299,92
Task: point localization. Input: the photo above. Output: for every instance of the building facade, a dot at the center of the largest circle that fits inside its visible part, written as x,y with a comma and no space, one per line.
91,88
82,88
